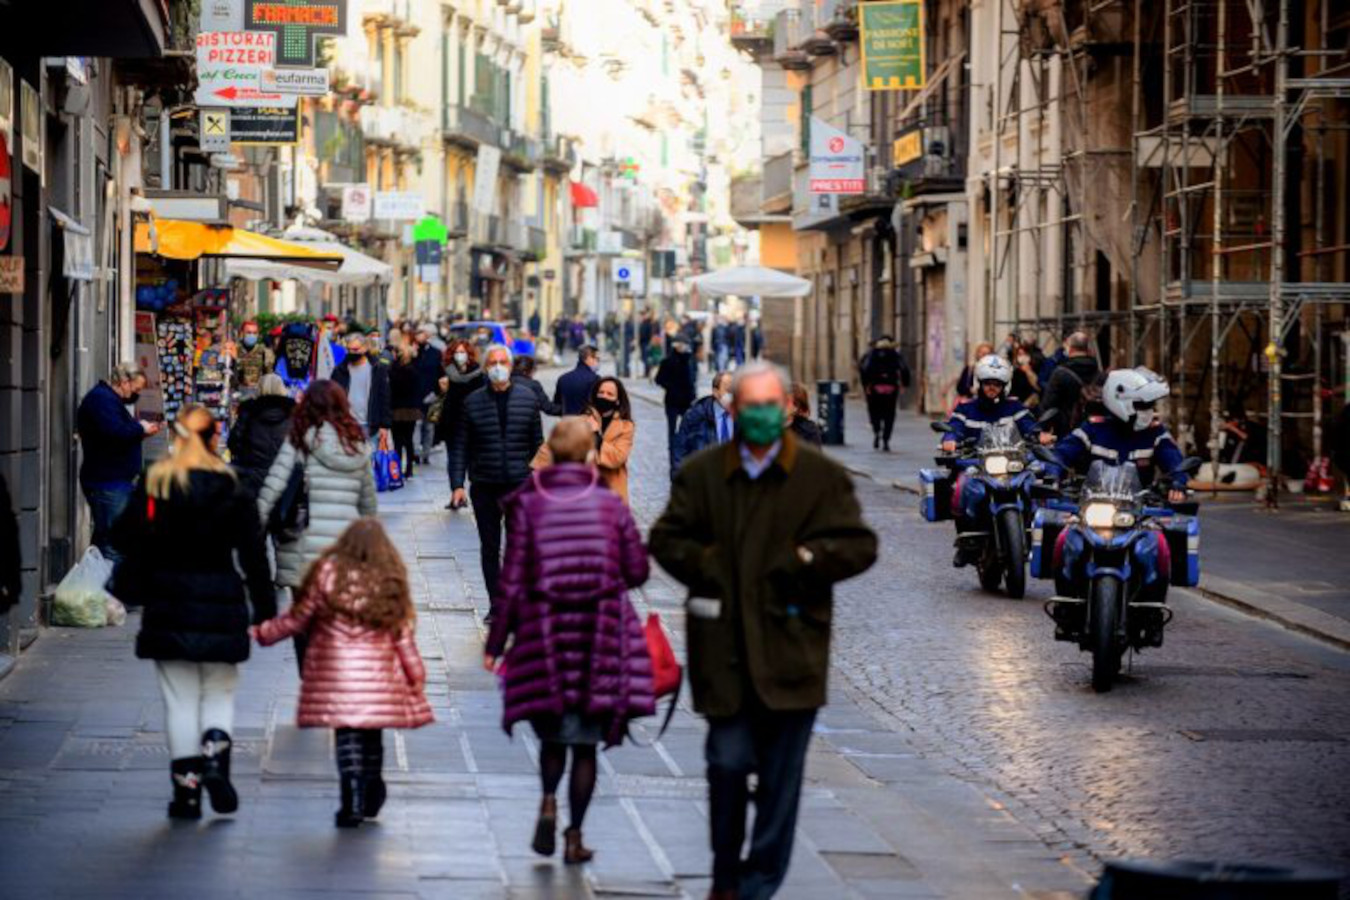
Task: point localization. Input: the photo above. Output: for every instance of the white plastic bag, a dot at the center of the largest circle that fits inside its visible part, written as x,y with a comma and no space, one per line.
81,600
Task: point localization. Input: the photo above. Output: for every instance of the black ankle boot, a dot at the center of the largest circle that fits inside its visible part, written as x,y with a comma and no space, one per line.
353,799
372,767
187,788
216,771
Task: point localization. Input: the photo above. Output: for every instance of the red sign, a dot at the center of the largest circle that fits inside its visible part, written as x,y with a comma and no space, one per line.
6,204
838,185
237,48
836,145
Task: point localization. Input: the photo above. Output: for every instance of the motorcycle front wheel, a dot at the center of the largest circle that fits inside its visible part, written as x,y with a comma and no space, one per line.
1103,616
991,572
1015,549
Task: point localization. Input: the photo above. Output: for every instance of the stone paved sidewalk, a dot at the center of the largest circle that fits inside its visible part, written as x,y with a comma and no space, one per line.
84,783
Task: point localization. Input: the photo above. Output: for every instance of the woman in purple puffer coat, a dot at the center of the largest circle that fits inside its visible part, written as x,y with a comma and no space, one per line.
577,668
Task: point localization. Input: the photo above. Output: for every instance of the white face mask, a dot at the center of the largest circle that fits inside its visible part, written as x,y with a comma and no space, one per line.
499,373
461,359
725,400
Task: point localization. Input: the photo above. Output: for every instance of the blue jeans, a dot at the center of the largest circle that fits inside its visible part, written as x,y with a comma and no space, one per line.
772,744
105,505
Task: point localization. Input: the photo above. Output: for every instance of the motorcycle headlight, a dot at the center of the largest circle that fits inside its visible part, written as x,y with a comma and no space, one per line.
1016,465
996,465
1099,515
1123,519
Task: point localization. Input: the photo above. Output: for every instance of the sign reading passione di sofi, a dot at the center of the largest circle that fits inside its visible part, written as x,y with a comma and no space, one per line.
838,162
296,23
892,45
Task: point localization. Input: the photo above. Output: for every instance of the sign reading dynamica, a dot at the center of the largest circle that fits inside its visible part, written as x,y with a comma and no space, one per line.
265,125
296,23
838,162
892,45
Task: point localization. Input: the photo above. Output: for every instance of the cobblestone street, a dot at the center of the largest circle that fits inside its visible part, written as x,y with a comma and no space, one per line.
960,756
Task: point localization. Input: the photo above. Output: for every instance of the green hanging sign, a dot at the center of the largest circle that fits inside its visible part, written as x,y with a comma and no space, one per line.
893,45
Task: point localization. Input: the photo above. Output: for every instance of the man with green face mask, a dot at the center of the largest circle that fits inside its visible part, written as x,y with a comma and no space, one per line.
759,529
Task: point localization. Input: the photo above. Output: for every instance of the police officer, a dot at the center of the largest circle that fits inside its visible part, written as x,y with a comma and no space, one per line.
1129,432
990,407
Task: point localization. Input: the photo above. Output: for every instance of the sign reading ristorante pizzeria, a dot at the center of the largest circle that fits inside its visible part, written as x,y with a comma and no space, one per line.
296,23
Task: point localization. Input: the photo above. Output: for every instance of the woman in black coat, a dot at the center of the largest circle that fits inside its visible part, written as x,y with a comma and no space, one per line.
800,422
259,430
406,392
180,535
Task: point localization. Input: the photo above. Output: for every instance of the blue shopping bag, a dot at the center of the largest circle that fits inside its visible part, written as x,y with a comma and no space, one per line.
388,471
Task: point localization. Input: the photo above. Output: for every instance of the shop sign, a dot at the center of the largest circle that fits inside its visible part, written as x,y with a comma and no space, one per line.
398,205
892,45
213,133
631,272
30,120
907,148
222,15
838,161
357,201
265,125
301,82
229,66
485,178
295,24
11,274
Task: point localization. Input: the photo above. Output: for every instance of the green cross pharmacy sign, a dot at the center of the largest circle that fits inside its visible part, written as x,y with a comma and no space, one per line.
296,23
893,45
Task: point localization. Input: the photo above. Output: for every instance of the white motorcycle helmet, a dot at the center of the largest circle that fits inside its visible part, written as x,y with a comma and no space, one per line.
1131,395
993,368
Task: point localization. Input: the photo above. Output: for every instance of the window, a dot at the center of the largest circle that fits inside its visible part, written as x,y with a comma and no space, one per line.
804,126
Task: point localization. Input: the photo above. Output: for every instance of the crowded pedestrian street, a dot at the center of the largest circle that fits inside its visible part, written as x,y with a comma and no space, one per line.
961,754
702,449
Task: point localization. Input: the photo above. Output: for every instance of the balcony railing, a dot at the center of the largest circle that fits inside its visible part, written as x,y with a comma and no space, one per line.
537,239
582,239
521,152
751,30
469,128
392,126
559,155
777,191
788,33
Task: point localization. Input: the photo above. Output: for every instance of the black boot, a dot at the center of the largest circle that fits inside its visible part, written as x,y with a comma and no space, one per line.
187,788
353,796
216,771
372,766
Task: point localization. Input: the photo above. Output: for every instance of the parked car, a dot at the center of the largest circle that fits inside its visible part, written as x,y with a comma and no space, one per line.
500,334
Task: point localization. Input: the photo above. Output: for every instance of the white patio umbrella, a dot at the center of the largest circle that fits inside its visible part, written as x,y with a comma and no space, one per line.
751,281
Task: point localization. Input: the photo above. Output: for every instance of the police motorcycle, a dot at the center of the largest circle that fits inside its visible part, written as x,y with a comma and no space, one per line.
1113,547
1006,466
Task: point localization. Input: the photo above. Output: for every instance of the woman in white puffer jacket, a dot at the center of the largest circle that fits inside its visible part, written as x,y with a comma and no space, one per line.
338,475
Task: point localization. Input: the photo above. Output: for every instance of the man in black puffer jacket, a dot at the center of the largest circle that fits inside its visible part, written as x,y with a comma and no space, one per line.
498,435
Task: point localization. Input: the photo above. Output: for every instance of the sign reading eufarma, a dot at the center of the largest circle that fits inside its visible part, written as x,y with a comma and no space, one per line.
296,23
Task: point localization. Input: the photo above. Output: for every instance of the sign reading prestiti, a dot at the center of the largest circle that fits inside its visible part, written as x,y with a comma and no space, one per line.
838,162
296,24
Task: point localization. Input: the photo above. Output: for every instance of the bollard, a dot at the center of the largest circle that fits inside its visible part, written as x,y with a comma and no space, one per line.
1191,880
830,411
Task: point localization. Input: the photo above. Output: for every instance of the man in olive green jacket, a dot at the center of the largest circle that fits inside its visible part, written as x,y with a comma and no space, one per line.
759,530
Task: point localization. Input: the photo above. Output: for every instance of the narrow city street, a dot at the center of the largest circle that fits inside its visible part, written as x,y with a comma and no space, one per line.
963,754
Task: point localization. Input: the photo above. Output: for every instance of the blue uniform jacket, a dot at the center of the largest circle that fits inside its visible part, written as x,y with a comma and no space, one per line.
970,418
1109,439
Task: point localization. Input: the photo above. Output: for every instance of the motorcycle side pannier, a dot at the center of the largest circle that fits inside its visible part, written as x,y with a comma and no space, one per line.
1046,526
935,494
1183,540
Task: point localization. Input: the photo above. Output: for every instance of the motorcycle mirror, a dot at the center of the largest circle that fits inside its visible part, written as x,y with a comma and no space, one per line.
1190,465
939,427
1048,415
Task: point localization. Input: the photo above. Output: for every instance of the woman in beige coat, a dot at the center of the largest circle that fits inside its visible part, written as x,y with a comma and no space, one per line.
611,418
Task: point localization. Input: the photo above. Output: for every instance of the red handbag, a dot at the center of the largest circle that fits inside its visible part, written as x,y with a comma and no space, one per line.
666,670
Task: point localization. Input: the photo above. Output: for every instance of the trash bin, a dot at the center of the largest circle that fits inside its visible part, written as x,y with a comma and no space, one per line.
1191,880
830,410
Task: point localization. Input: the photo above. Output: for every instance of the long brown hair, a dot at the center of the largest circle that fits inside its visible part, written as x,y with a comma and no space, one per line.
448,357
192,449
369,580
326,402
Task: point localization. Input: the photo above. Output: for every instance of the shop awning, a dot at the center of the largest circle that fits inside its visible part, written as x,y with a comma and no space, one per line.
750,281
583,196
177,239
357,269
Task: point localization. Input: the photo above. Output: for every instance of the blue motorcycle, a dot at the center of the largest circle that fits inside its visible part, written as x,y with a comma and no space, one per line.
1113,557
997,483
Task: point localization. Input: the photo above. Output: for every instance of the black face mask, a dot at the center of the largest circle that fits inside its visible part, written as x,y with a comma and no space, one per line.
605,406
133,397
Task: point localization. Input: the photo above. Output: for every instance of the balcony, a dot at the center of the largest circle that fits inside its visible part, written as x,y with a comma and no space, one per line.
537,242
391,126
395,14
788,33
486,230
839,19
521,152
559,155
749,32
468,128
581,240
776,195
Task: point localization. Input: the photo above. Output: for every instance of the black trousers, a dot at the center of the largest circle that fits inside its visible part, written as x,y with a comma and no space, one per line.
772,744
672,426
359,751
881,410
405,445
487,513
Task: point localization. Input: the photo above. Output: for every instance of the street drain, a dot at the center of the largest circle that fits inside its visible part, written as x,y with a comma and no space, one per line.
1247,735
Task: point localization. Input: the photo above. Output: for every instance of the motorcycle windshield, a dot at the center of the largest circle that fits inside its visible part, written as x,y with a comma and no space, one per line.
1112,482
999,437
